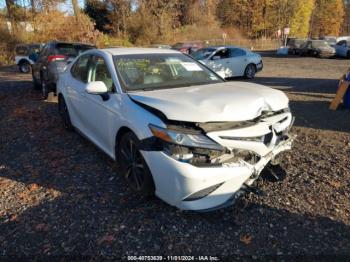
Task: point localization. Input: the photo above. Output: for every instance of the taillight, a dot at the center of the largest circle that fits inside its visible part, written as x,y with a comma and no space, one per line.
184,50
52,58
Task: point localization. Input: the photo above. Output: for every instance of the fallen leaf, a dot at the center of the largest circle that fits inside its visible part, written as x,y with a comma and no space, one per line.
13,218
42,227
33,187
335,184
246,239
107,238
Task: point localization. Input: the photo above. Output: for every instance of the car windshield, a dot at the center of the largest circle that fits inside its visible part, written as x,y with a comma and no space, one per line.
72,50
203,53
320,44
161,71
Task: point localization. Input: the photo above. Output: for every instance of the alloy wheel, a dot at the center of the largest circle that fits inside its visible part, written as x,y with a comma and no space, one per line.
250,71
133,164
24,68
44,91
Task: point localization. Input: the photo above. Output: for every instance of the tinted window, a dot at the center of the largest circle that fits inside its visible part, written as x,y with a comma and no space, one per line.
44,52
71,50
99,72
236,52
203,53
22,50
80,69
223,54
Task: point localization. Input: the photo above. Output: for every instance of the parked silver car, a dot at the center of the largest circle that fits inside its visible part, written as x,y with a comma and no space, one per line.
230,61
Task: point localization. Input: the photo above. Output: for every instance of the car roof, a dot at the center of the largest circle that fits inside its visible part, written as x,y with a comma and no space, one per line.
226,46
134,51
70,43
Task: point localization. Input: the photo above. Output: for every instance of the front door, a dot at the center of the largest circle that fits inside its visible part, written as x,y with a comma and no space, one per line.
219,62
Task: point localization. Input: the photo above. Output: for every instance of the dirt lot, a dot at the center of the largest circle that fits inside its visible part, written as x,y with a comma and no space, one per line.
59,195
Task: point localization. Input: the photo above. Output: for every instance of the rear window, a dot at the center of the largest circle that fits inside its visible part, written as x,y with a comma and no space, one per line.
21,50
71,50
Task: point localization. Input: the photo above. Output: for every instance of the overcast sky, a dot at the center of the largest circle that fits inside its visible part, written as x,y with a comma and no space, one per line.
64,7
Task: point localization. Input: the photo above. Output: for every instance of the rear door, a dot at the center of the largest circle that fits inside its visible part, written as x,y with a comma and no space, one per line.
238,61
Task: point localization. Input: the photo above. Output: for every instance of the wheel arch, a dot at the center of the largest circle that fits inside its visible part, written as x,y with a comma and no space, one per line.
23,60
121,131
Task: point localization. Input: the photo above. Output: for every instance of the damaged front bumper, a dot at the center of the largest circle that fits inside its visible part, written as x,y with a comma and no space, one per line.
191,187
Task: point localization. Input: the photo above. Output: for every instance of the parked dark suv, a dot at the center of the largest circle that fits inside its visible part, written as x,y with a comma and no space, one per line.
52,60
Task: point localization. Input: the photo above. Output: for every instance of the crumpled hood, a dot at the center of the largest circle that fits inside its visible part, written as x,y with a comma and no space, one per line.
228,101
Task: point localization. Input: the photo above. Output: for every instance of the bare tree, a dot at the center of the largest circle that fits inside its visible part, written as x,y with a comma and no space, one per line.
75,8
10,5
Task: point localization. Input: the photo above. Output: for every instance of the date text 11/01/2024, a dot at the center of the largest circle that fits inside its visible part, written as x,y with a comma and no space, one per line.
173,258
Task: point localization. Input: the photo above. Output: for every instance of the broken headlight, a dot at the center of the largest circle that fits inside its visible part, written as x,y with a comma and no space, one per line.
195,140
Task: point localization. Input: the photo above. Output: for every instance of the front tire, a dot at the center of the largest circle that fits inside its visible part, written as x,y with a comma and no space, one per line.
133,166
250,71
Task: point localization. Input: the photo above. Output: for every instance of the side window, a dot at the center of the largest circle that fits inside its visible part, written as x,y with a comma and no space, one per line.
43,52
223,54
80,69
99,72
236,52
22,50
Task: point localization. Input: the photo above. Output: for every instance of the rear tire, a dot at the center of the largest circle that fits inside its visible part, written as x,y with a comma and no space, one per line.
44,89
64,113
133,166
250,71
36,84
348,54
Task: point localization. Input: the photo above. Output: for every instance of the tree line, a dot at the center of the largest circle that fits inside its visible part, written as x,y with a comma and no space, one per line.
150,21
258,18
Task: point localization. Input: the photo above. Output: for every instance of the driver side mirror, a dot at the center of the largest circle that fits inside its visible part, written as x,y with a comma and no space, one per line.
215,57
97,88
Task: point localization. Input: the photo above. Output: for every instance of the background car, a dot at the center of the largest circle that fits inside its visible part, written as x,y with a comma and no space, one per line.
22,58
188,47
160,46
294,44
52,61
317,48
342,48
230,61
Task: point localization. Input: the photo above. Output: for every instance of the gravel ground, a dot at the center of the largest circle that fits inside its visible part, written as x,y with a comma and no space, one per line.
61,196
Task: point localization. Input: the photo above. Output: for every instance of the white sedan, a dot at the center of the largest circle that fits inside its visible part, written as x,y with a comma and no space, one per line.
230,61
175,128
